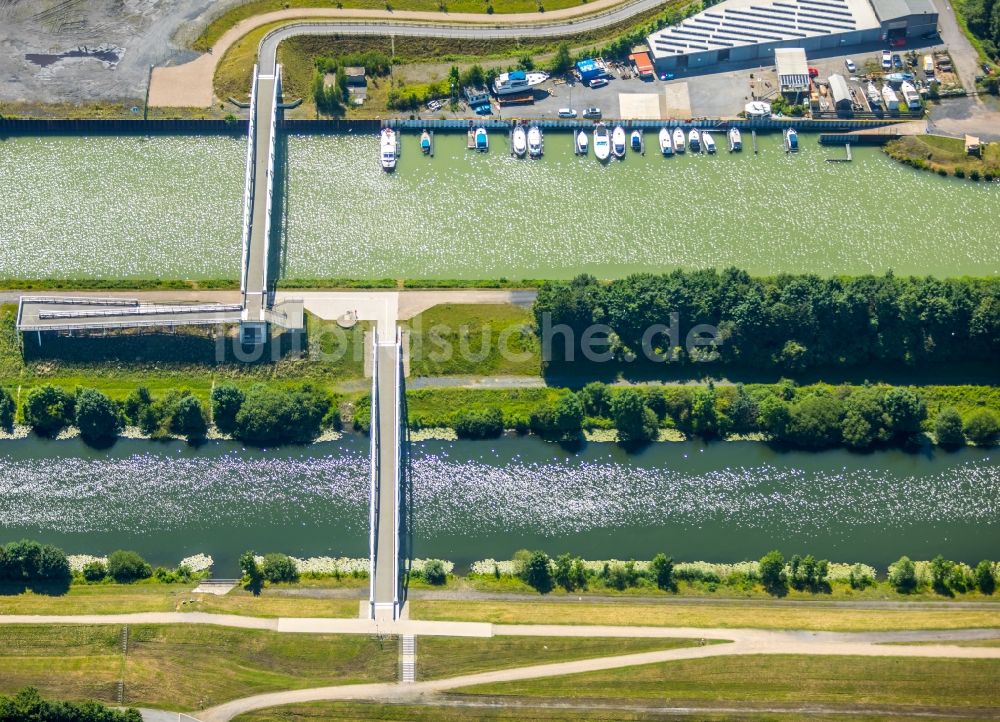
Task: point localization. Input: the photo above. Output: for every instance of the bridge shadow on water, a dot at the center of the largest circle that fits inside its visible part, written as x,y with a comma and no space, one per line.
405,494
277,262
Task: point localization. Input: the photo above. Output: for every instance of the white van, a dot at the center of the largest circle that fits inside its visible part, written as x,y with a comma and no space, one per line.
567,113
928,64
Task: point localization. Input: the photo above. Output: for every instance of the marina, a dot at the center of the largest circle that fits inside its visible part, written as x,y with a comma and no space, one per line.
169,207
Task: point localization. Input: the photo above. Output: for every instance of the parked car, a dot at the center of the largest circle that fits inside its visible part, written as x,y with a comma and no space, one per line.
987,69
897,61
813,72
598,82
567,113
851,67
886,60
592,113
433,105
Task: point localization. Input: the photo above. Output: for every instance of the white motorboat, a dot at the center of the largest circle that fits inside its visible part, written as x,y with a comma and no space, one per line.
694,140
482,140
618,142
519,141
735,140
517,81
581,143
678,140
602,142
535,141
791,140
636,141
709,141
666,144
387,149
425,142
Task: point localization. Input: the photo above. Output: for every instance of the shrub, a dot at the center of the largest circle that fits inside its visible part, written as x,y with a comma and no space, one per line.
138,401
985,579
279,568
479,423
663,571
96,416
903,575
814,422
948,428
941,570
251,571
94,571
562,418
859,578
6,411
188,418
127,566
537,572
982,428
273,416
29,562
772,572
48,410
960,172
226,402
434,572
28,706
635,422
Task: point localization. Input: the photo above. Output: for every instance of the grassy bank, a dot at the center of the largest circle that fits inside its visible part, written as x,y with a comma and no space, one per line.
788,679
183,666
451,656
757,616
946,156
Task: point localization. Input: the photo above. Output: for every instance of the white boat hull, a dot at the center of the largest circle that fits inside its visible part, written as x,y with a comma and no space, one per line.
679,141
666,144
602,143
581,143
519,141
618,142
534,142
709,142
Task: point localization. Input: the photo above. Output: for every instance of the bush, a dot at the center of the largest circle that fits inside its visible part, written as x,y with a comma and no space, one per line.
127,566
985,580
537,572
562,418
279,568
772,573
982,428
814,422
188,418
28,706
663,571
48,410
6,411
96,416
903,575
28,562
226,402
478,423
859,578
635,422
138,401
434,572
251,571
948,428
272,416
94,571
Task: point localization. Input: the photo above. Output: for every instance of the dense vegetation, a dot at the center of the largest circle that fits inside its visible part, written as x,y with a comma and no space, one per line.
28,706
982,17
29,563
788,323
267,415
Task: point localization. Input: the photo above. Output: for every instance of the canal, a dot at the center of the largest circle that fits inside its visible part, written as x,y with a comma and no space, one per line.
725,501
166,206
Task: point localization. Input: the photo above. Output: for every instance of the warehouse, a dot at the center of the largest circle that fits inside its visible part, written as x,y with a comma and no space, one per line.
840,93
793,70
748,31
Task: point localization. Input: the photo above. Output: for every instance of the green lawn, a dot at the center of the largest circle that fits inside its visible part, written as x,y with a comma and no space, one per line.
184,666
436,407
452,656
778,679
355,712
935,151
474,339
819,617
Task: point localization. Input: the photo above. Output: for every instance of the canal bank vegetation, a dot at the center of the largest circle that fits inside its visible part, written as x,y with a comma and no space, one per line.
946,156
27,705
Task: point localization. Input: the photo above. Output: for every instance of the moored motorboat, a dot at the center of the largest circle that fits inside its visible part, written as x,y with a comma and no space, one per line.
602,142
535,141
581,143
791,140
694,140
666,144
709,141
618,142
425,142
519,141
387,149
735,140
482,140
678,140
636,141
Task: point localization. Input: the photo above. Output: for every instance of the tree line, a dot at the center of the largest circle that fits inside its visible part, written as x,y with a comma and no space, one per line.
29,706
786,323
983,20
259,415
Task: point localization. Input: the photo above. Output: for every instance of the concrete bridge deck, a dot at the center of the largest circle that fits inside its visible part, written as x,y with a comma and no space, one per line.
65,313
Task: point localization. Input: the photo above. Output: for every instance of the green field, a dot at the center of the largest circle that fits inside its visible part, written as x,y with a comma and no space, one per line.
759,616
452,656
183,666
789,679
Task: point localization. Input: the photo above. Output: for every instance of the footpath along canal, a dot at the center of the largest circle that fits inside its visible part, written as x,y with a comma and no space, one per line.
169,206
725,501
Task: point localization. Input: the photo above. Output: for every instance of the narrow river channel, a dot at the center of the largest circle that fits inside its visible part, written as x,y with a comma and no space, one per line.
726,501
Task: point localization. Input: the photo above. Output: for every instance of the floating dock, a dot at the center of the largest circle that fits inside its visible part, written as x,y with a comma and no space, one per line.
842,160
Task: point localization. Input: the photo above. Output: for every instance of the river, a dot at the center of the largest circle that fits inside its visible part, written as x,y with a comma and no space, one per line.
169,207
724,501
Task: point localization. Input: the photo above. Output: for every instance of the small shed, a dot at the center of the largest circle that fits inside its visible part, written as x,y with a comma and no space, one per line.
793,71
589,69
476,96
972,145
643,64
840,93
355,76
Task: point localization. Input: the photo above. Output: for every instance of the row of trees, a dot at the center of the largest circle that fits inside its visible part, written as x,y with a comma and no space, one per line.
788,323
544,574
945,576
261,415
28,706
274,568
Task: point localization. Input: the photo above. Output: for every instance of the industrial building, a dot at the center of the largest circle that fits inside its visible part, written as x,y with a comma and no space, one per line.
793,70
751,30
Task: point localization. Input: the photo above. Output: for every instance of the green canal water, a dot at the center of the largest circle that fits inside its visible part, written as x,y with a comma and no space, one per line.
170,207
472,500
